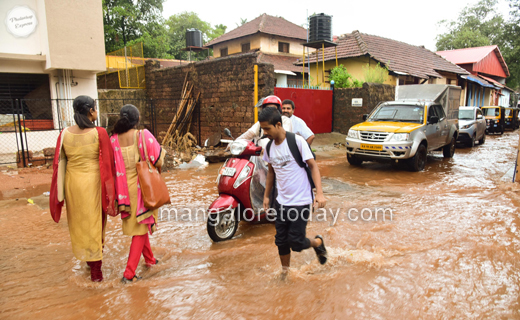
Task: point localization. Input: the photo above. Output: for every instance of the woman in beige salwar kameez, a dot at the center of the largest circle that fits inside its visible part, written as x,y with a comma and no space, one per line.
86,184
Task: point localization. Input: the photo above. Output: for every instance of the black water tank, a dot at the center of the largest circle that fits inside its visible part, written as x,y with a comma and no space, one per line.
193,38
320,27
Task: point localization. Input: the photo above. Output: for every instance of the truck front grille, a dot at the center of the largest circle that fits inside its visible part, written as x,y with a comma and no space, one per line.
373,136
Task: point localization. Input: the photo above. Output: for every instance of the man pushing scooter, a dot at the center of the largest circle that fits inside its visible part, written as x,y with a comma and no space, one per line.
291,160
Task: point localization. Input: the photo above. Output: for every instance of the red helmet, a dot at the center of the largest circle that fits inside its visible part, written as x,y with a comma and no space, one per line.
272,100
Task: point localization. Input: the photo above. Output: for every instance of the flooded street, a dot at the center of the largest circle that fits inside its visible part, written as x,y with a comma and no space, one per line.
448,248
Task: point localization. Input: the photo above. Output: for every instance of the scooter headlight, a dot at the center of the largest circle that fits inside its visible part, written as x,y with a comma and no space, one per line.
242,176
237,147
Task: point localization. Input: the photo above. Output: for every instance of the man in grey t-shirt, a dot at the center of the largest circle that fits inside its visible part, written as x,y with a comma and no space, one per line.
295,197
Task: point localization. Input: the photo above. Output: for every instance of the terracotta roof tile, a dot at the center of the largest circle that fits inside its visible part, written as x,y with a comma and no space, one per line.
398,56
280,61
265,24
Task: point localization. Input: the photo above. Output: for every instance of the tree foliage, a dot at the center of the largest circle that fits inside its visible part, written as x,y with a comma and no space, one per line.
477,26
482,25
377,74
177,25
143,21
343,79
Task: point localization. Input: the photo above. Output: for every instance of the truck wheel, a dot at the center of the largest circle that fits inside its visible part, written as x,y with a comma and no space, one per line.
471,143
417,162
482,140
449,150
353,160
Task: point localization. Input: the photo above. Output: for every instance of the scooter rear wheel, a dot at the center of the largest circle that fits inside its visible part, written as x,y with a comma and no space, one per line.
222,225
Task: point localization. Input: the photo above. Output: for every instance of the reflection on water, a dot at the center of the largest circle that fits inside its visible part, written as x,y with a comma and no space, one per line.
450,251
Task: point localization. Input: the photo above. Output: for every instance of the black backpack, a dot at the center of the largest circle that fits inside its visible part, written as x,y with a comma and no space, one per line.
291,141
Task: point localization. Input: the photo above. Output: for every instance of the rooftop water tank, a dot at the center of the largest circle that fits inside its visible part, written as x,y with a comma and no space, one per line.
193,38
320,27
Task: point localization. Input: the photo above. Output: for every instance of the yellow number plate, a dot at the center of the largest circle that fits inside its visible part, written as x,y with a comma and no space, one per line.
371,147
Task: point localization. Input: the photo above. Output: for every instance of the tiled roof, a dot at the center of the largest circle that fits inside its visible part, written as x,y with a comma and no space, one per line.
397,56
265,24
280,61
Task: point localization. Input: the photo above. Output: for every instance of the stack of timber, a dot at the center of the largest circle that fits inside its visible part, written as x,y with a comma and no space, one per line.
178,135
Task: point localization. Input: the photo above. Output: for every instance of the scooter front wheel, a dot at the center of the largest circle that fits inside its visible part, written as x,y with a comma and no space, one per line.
222,225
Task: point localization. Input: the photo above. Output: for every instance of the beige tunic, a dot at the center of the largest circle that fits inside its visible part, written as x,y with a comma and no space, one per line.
131,156
83,194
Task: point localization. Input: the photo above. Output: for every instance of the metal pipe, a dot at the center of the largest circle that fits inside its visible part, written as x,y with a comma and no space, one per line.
336,49
256,92
303,67
323,61
317,67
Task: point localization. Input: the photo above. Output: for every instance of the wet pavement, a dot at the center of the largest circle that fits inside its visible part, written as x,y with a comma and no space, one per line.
447,248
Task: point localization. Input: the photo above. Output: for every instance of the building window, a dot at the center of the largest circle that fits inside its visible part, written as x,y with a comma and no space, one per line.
283,47
246,47
223,52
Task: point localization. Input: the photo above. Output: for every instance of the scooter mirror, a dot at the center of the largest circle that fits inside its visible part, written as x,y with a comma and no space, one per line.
228,133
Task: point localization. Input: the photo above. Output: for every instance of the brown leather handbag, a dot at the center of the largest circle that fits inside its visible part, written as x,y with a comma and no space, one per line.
153,188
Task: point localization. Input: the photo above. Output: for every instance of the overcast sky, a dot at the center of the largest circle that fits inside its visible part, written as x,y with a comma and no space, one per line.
411,21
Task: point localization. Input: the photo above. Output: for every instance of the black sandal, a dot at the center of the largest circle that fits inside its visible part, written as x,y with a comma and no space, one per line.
321,252
134,279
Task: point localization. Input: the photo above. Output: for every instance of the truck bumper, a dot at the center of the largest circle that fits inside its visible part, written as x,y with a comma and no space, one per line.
383,151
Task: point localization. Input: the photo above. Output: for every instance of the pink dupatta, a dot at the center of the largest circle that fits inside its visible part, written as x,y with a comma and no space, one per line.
154,150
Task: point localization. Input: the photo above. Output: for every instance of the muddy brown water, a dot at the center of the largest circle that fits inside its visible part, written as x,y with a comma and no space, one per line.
450,250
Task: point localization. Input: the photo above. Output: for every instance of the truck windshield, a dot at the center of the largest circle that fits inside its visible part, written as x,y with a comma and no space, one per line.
466,114
491,112
399,113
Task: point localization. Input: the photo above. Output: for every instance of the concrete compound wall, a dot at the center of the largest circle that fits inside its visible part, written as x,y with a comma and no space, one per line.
227,92
345,115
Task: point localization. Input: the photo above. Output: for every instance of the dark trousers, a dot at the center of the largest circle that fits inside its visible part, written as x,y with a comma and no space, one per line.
290,224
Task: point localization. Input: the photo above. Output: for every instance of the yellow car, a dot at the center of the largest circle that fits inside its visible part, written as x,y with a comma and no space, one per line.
407,130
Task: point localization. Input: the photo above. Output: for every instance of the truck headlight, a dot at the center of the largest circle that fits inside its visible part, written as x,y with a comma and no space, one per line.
400,137
353,134
237,147
467,126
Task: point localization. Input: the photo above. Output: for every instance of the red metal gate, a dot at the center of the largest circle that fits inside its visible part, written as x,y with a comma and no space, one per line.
313,106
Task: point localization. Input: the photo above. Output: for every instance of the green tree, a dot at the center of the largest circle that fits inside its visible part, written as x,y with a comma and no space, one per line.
142,21
219,30
343,79
177,25
377,74
242,22
511,45
476,26
481,25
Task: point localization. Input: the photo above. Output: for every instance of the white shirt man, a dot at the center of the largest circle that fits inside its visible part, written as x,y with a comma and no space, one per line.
255,132
298,125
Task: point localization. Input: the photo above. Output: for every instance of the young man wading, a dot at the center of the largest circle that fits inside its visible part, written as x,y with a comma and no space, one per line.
293,181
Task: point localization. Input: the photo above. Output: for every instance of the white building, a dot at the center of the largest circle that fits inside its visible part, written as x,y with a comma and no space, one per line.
51,49
50,52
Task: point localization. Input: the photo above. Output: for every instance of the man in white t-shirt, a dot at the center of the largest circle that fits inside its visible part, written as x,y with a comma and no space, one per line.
298,125
295,197
255,133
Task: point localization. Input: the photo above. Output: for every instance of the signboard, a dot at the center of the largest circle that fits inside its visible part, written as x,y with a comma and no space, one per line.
21,21
357,102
